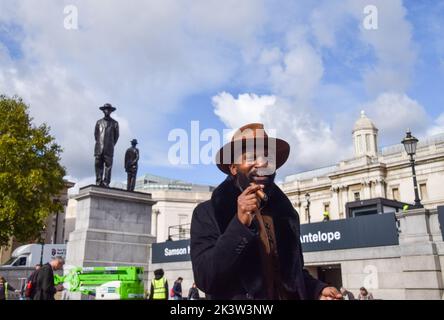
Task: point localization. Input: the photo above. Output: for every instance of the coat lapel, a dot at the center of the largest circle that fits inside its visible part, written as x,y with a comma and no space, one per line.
224,200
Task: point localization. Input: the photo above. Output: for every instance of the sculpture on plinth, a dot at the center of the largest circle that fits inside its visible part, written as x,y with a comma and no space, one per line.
106,134
131,165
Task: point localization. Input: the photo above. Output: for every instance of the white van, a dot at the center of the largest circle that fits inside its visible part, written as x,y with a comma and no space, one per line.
29,255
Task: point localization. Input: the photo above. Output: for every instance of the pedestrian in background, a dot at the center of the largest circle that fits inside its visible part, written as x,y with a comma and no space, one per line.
177,289
159,286
5,288
347,294
193,294
364,294
45,288
28,288
326,216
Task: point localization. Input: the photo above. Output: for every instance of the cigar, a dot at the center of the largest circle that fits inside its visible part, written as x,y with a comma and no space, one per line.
261,194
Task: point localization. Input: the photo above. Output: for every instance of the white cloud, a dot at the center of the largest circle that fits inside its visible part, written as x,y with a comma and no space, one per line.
247,108
394,113
312,141
298,74
438,126
144,57
270,56
392,43
296,78
326,20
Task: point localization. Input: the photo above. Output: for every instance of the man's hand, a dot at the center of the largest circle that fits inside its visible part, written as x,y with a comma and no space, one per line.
330,293
247,204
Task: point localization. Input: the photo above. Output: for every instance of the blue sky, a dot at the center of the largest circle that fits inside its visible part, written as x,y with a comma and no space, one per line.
165,64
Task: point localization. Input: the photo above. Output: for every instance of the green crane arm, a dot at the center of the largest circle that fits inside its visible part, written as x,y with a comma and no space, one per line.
86,280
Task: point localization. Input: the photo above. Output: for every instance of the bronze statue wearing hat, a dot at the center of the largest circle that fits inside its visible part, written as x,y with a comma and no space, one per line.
245,240
106,134
131,159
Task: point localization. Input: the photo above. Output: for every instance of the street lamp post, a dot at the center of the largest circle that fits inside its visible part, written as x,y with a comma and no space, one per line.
42,243
307,197
410,143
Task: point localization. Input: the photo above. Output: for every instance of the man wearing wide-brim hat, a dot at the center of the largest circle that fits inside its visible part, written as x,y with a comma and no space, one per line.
106,134
245,241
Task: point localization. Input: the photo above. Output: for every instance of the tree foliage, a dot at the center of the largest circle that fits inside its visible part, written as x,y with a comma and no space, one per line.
30,173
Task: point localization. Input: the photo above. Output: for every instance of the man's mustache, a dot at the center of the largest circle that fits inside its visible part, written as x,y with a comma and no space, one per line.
254,173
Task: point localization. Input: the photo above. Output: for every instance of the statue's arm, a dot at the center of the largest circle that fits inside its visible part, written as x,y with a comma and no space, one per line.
97,131
116,136
137,156
126,159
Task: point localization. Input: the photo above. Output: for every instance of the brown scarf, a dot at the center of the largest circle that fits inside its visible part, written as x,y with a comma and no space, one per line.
269,257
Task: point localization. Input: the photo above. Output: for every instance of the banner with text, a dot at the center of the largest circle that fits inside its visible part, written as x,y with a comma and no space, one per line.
367,231
171,251
360,232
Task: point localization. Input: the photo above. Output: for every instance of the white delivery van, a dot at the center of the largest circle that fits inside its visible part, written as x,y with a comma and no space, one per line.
29,255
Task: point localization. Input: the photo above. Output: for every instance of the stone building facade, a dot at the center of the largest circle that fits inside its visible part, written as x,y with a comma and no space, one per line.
371,173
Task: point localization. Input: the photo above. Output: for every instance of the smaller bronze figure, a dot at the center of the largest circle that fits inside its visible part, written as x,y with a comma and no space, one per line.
131,159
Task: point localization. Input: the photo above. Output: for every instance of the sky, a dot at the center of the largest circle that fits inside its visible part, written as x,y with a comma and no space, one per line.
303,68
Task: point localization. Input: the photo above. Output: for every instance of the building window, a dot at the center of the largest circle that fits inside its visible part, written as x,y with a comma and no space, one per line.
395,194
423,191
367,142
306,214
357,196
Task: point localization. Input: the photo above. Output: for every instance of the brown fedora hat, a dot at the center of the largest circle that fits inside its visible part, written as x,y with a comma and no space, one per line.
252,134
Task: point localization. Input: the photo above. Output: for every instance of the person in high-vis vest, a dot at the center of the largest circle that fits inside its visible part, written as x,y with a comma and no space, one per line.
326,215
5,288
159,286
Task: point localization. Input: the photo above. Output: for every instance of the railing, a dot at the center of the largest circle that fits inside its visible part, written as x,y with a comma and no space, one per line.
179,232
398,148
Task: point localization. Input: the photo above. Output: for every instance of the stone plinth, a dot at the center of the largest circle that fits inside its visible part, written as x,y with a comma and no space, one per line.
113,228
422,273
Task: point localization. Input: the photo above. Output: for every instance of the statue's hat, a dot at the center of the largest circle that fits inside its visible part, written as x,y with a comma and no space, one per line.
107,106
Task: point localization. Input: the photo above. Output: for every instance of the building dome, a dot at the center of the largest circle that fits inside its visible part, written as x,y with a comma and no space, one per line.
365,137
364,123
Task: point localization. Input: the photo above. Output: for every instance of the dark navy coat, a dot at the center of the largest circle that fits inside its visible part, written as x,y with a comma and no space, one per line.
225,253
